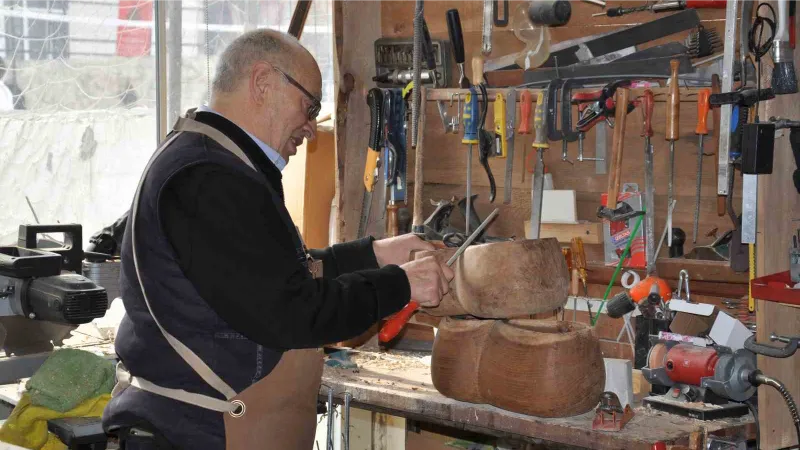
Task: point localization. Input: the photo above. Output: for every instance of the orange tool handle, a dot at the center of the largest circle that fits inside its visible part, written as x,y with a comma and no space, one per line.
673,103
718,4
647,111
526,103
702,111
396,322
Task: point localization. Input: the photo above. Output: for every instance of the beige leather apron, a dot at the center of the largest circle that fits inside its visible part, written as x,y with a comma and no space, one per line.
278,411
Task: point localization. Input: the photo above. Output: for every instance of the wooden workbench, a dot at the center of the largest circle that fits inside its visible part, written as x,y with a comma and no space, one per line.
400,384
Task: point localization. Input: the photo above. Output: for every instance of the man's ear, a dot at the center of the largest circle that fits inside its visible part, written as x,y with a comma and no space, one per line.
261,81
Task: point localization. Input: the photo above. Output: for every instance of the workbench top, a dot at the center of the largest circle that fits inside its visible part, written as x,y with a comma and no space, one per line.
399,383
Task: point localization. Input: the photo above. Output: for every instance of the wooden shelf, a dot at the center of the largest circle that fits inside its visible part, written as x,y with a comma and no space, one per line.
705,277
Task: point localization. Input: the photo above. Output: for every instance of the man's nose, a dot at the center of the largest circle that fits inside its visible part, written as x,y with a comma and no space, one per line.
310,129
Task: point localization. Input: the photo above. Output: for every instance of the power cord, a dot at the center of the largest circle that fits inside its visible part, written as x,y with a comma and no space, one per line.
751,405
754,45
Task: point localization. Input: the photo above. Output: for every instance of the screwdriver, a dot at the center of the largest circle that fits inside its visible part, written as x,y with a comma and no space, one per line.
525,103
540,144
579,261
470,119
683,4
701,130
620,11
672,134
649,187
501,149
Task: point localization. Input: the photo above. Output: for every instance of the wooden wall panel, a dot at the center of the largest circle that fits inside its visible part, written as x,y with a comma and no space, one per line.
778,212
445,158
358,26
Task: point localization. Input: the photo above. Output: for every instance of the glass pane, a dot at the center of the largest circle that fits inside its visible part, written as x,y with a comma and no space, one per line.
192,62
77,110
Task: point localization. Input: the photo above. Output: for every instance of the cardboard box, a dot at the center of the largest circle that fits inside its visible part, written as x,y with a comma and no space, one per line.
617,234
692,319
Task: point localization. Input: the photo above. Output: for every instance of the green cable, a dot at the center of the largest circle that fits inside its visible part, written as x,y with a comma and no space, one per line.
619,266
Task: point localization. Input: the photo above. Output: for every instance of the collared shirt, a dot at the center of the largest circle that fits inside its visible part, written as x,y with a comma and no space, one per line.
273,156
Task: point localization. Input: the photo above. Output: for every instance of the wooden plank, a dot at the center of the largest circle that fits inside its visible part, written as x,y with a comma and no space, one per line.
613,349
360,27
401,385
590,232
778,207
601,274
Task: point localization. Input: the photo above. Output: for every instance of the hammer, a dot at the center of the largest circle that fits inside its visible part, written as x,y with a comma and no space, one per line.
610,211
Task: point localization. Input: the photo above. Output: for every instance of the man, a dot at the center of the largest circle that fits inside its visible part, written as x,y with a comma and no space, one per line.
223,312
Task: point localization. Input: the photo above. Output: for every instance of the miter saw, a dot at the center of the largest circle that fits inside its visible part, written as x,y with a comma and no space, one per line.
43,293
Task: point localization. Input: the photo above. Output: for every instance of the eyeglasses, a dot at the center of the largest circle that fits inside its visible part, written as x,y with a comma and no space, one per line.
315,107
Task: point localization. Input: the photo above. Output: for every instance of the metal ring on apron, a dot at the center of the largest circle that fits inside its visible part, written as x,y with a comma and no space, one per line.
240,409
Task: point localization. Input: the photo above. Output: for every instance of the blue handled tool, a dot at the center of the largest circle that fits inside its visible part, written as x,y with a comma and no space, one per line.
470,120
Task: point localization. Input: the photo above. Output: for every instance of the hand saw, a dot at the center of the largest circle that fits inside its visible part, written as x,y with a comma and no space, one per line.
375,102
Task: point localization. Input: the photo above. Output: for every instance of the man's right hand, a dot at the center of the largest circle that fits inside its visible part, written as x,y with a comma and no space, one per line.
429,280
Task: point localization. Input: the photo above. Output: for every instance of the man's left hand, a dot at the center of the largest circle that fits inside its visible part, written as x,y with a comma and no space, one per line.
397,250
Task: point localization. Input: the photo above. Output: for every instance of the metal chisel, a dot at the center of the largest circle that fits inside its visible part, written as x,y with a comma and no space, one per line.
511,116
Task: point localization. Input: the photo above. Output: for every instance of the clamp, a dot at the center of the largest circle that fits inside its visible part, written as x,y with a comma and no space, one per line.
599,105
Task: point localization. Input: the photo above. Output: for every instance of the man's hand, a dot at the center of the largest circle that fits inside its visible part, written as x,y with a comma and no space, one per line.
397,250
429,280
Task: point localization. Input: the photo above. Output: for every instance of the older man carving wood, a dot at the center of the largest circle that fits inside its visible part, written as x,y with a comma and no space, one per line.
225,306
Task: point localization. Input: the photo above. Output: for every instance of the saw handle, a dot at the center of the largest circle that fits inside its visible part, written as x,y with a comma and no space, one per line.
456,36
396,322
525,104
375,102
673,103
427,48
647,112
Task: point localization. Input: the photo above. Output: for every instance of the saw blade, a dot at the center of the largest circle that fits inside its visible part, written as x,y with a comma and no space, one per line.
366,207
23,336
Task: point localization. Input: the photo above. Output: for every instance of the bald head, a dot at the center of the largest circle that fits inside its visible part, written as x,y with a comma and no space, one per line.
279,49
270,85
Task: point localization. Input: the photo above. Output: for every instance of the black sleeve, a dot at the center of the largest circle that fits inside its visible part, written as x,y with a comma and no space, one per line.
346,257
239,255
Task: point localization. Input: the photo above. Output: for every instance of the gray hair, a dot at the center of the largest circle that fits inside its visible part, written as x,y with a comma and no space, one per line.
257,45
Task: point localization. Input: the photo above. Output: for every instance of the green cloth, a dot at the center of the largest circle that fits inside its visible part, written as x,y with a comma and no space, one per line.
68,377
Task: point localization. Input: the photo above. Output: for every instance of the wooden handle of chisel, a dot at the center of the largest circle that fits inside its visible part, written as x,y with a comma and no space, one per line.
392,226
477,70
417,223
615,170
673,103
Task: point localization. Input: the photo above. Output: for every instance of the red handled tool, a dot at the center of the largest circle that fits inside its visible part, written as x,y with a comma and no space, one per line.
399,320
683,4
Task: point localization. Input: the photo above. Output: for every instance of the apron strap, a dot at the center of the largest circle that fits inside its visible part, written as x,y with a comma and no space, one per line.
233,406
